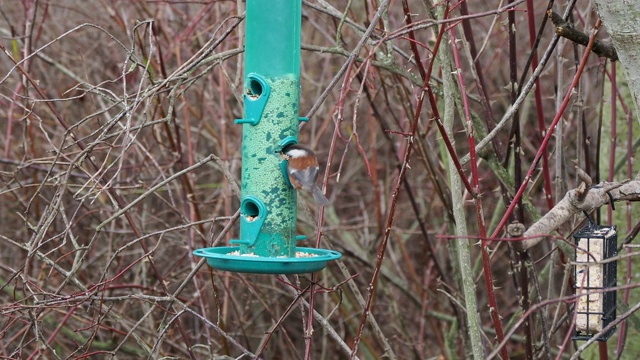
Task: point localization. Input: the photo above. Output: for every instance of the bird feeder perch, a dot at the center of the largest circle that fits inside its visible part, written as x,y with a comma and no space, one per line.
268,205
596,306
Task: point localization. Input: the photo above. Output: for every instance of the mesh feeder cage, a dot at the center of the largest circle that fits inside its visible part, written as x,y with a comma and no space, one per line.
595,307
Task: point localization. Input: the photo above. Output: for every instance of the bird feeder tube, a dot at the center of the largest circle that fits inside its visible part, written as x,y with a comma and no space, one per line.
268,205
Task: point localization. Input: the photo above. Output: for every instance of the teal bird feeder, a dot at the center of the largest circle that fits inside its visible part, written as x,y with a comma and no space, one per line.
268,205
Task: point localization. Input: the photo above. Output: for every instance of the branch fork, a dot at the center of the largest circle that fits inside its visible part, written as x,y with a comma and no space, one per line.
583,198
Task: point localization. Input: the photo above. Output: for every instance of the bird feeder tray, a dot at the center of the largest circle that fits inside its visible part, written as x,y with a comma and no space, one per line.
228,258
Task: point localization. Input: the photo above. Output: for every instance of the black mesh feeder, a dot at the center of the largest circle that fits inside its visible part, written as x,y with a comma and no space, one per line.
595,305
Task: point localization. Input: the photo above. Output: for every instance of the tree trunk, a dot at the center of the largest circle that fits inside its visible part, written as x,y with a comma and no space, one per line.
622,20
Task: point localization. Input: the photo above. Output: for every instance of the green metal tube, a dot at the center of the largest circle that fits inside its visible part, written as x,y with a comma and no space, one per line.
272,47
271,97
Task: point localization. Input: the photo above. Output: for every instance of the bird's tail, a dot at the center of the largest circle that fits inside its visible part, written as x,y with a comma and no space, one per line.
319,196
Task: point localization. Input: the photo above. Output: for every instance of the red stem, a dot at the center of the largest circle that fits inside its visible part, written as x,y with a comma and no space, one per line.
549,132
625,109
56,331
486,261
539,109
602,350
7,145
407,154
332,149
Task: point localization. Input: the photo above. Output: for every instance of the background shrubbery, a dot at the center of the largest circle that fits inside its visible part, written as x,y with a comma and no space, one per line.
110,99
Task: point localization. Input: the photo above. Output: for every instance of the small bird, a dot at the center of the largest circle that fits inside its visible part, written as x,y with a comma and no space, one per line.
303,168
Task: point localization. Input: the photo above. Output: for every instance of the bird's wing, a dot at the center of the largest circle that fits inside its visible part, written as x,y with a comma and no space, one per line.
306,178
